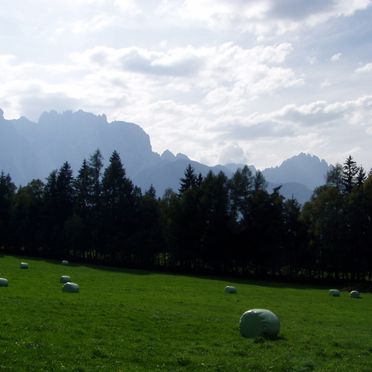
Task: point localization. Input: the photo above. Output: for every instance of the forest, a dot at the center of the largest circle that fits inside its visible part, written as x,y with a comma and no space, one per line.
210,225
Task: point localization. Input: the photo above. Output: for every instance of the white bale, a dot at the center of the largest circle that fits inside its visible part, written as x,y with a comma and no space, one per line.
354,294
65,262
23,265
334,292
65,279
3,282
230,289
259,322
70,287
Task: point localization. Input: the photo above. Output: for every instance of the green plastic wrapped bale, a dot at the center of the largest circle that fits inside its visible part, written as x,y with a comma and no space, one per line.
259,322
354,294
65,279
230,289
65,262
70,287
23,265
334,292
3,282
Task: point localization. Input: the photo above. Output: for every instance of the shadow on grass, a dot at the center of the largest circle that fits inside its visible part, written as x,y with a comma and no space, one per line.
263,339
82,264
230,279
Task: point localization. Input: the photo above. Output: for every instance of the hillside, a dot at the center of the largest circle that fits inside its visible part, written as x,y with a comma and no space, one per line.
129,320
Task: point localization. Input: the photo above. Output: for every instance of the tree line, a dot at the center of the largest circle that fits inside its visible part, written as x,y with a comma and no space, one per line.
211,224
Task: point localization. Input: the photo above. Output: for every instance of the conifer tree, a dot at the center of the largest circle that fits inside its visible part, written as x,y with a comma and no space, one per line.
349,174
190,180
7,192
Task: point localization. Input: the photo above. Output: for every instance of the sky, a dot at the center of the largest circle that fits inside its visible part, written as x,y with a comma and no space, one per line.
243,81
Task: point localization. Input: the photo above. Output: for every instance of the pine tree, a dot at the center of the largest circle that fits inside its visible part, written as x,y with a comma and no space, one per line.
115,186
361,176
84,189
65,192
7,193
189,181
119,213
95,166
334,177
259,182
349,174
241,188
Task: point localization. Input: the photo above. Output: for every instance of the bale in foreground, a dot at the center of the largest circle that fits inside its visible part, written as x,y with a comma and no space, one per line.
334,292
65,279
354,294
259,322
23,265
70,287
230,289
3,282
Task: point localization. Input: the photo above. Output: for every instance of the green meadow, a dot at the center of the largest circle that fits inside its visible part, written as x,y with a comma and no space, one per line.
126,320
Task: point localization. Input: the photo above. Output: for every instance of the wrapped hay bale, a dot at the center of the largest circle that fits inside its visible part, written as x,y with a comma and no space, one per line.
3,282
23,265
65,279
65,262
354,294
70,287
334,292
259,322
230,289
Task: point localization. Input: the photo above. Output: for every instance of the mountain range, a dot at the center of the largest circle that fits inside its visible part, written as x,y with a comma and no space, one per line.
32,150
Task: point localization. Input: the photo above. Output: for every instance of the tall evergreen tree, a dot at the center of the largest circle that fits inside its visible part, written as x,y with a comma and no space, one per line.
241,188
27,218
349,174
361,176
119,209
116,187
335,177
259,182
7,193
95,166
190,180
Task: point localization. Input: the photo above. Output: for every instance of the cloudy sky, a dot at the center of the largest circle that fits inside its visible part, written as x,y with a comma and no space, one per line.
248,81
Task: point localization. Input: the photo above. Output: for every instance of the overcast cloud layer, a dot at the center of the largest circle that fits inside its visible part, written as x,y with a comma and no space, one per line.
252,81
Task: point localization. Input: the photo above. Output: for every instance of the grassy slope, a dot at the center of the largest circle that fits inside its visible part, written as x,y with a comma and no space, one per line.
134,321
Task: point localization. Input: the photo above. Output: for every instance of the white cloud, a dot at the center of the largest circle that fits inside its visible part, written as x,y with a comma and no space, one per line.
96,23
232,153
128,6
336,57
185,73
262,17
367,68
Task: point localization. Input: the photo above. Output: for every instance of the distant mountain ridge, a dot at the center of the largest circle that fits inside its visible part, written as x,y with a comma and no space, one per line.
302,168
74,136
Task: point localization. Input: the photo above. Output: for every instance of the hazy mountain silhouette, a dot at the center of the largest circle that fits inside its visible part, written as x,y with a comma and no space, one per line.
32,150
306,169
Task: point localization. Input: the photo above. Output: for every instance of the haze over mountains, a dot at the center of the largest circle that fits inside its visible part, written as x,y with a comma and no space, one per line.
32,150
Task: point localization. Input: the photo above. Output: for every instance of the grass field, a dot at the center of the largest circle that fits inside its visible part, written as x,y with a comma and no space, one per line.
138,321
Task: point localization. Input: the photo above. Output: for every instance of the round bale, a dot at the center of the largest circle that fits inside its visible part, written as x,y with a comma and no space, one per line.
65,262
230,289
65,279
23,265
70,287
259,322
3,282
354,294
334,292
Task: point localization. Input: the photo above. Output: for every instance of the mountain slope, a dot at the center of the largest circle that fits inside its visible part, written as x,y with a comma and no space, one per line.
32,150
306,169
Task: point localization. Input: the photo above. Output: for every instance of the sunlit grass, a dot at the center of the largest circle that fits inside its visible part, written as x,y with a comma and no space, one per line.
139,321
